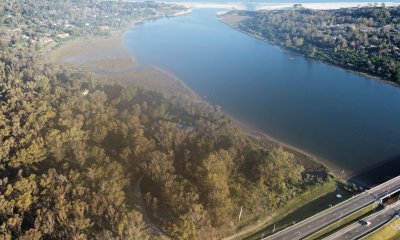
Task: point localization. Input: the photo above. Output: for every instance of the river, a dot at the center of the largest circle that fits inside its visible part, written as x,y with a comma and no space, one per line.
349,121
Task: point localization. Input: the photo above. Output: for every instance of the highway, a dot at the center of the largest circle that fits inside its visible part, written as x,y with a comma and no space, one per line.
358,230
335,213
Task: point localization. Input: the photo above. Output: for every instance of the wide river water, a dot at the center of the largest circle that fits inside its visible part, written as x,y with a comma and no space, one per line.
350,121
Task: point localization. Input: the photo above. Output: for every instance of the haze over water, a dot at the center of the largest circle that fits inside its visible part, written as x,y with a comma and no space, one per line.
351,121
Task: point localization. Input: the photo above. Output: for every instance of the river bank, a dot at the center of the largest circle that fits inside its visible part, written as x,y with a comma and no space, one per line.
233,21
322,5
358,178
110,60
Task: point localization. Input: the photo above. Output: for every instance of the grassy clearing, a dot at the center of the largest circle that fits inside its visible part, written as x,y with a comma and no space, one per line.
386,232
309,203
343,222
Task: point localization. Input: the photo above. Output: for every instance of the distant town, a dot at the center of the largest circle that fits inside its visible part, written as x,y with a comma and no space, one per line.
39,24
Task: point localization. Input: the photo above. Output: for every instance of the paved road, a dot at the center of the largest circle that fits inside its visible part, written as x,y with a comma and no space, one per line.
358,230
334,214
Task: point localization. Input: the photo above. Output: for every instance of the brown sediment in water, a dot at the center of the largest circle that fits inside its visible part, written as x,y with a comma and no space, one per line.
109,59
89,47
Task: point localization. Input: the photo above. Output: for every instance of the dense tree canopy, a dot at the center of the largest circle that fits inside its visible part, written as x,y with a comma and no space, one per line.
363,39
72,149
69,161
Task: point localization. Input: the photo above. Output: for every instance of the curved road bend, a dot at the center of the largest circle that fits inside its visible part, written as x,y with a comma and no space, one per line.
334,214
358,230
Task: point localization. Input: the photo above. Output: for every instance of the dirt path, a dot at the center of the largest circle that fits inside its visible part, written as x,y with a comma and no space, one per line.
154,230
249,229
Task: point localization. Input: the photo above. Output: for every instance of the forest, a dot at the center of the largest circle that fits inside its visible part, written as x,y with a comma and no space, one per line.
363,39
69,161
73,148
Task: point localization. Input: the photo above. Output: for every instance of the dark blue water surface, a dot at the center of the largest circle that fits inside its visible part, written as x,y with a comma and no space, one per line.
351,121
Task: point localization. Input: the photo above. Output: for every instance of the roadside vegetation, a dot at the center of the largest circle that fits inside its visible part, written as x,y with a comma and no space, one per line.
72,147
344,222
316,200
364,39
390,231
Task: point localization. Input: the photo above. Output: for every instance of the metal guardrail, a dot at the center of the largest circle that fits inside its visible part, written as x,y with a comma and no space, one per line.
318,214
370,191
344,229
390,192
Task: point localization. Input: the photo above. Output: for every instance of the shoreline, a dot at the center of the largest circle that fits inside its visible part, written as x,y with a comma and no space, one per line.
322,5
116,35
292,51
298,152
336,171
264,136
116,39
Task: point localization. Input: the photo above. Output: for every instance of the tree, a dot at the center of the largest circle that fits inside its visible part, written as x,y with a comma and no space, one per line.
298,42
214,175
397,75
183,229
313,51
280,170
133,227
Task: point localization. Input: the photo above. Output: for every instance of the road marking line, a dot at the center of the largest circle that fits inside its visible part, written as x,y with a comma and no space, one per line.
370,192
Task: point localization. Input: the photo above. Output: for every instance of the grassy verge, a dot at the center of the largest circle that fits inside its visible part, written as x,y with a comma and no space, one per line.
386,232
309,203
343,222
